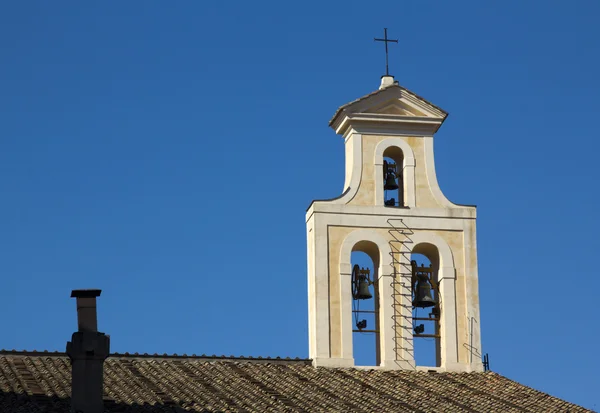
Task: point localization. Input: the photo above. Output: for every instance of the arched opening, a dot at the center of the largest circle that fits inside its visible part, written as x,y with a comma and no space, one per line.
393,177
426,305
365,304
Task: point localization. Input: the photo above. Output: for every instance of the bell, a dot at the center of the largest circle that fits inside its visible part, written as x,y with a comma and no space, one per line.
363,290
390,182
423,296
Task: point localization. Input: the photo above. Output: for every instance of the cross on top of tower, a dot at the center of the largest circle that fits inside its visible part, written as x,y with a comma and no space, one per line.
386,41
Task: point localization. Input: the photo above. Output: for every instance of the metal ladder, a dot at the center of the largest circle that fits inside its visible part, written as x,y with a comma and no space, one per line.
401,270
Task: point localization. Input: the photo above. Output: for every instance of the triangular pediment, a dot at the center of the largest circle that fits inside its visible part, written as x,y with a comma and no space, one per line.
396,107
392,104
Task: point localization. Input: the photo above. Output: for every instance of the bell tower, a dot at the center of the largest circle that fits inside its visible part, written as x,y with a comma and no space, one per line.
422,283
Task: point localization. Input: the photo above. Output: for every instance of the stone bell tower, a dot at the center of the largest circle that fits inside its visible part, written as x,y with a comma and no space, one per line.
392,207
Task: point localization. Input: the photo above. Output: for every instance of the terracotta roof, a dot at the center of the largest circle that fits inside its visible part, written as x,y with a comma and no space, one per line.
41,382
376,92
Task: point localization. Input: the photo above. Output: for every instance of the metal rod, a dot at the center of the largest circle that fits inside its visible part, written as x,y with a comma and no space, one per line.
427,335
387,72
426,319
365,331
386,41
471,342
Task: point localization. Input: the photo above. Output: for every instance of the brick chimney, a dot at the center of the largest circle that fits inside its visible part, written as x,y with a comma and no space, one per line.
87,350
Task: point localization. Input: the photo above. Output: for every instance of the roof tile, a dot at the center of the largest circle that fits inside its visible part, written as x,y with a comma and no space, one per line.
40,382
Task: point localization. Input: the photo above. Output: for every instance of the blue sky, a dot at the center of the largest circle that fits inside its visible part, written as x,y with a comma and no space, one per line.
165,152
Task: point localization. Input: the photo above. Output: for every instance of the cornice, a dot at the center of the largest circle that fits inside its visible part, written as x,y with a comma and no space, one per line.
373,121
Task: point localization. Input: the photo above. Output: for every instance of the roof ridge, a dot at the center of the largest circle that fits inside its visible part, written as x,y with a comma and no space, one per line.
36,353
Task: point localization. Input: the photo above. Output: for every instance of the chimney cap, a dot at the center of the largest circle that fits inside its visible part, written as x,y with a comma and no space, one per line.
90,293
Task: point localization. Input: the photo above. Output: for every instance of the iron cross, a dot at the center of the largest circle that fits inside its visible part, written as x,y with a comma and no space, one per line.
386,40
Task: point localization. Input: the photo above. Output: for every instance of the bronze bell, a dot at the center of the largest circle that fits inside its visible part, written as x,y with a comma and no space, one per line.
363,290
423,296
360,283
390,181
